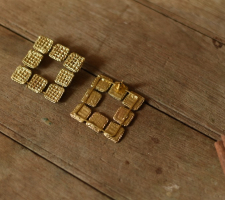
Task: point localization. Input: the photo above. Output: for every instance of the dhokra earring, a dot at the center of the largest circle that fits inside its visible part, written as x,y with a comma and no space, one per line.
72,63
113,130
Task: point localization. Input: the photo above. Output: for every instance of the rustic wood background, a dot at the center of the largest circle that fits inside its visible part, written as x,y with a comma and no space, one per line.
171,52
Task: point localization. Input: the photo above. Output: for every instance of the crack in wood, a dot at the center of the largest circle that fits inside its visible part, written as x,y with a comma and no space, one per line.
45,158
181,20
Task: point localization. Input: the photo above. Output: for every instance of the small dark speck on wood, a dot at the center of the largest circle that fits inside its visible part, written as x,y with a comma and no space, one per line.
158,170
155,140
127,162
217,44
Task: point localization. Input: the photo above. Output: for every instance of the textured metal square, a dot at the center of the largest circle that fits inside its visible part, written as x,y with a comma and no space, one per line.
64,77
59,52
74,62
123,116
37,83
43,44
133,100
32,59
97,122
117,94
81,112
21,75
102,83
91,97
54,93
114,132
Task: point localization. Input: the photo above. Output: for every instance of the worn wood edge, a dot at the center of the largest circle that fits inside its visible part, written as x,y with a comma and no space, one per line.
181,20
67,167
185,120
29,159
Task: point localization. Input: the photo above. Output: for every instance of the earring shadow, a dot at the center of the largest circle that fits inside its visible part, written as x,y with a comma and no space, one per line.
92,62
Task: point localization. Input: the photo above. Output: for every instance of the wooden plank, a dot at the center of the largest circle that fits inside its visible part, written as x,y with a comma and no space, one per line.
158,158
204,17
25,175
179,71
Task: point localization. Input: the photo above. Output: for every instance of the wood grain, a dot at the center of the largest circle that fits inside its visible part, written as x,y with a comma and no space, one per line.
178,70
157,158
25,175
206,17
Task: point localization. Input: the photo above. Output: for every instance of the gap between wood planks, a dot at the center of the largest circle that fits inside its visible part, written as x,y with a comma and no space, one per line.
54,163
216,38
106,74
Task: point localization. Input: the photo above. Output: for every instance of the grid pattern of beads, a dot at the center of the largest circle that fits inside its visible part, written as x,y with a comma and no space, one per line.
64,77
54,93
59,52
32,59
21,75
74,62
37,83
43,44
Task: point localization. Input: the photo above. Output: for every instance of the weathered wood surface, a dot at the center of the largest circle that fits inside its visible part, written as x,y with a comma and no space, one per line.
206,17
25,175
159,157
179,71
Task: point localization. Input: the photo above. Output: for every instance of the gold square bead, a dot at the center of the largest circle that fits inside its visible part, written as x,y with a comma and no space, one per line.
102,83
64,77
97,122
117,94
74,62
59,52
37,83
21,75
114,132
133,100
43,44
91,97
123,116
81,112
54,93
32,59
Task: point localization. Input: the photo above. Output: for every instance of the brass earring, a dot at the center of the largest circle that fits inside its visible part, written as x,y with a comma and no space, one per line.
123,116
72,62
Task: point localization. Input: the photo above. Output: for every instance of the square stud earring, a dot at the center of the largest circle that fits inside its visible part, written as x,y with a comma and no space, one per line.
72,62
113,130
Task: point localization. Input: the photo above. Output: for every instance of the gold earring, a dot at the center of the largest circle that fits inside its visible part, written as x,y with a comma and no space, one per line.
43,45
123,116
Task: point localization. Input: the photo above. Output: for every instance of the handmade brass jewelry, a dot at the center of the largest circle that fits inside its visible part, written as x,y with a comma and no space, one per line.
72,62
123,116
